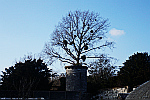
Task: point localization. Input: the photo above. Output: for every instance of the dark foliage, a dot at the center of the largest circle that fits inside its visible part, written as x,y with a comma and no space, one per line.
63,84
26,76
136,70
94,87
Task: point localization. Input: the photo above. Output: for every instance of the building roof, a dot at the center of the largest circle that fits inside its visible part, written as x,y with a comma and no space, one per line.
140,93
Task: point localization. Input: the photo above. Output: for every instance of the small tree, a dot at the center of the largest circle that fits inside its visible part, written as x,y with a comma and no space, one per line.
103,67
101,71
77,36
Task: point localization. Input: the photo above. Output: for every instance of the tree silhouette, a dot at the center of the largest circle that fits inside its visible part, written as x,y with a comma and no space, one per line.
77,36
26,76
102,67
136,70
100,73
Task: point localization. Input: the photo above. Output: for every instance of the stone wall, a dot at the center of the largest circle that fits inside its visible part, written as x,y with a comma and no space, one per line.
113,93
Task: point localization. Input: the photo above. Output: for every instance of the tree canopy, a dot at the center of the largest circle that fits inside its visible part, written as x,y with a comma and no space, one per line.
76,37
26,76
136,70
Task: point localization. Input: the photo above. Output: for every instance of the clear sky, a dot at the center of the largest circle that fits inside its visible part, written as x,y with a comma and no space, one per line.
25,25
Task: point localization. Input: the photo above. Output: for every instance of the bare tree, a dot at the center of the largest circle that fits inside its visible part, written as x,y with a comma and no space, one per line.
78,34
103,67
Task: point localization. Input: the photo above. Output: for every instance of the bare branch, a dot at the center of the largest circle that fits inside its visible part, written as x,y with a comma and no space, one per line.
54,54
80,31
99,47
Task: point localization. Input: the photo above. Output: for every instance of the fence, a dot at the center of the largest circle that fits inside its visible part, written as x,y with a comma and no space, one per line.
57,95
49,95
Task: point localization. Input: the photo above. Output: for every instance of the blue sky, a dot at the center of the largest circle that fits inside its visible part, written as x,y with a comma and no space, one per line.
25,25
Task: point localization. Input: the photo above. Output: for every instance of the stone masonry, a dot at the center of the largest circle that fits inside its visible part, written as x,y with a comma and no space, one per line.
76,78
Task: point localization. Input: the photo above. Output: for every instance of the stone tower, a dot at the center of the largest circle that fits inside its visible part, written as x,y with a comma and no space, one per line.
76,78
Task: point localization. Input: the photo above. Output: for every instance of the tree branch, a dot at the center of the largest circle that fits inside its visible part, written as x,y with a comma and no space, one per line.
99,47
56,55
